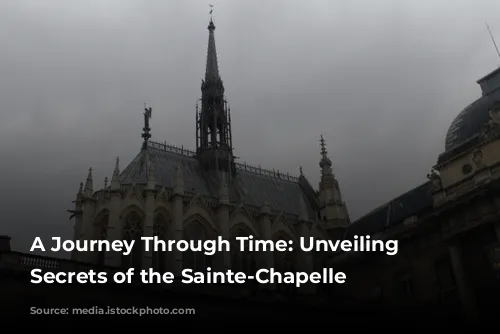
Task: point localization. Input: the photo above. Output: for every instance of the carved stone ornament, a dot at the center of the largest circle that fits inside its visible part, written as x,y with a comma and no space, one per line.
492,127
436,180
477,158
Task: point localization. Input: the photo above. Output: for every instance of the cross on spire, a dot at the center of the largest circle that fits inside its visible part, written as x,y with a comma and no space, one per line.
211,11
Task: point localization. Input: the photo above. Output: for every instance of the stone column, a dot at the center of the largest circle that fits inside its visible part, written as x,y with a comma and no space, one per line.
88,207
177,229
224,262
267,234
78,228
87,227
466,294
178,216
149,212
305,260
148,231
114,231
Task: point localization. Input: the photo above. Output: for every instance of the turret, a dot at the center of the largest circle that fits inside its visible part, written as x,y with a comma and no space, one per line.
332,208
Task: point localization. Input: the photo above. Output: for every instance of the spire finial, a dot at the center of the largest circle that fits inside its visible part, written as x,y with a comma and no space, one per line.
211,25
147,116
89,188
300,169
117,167
105,183
325,162
115,179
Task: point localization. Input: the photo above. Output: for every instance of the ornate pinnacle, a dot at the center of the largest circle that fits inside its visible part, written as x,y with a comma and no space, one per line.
323,146
115,179
325,162
88,184
116,171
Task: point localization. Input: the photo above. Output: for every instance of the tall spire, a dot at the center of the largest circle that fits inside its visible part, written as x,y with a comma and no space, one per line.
213,128
212,69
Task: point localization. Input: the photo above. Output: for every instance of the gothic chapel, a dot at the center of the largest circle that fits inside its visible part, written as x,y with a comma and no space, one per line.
174,193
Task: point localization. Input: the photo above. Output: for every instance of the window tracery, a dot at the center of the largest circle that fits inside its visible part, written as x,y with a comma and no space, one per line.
133,231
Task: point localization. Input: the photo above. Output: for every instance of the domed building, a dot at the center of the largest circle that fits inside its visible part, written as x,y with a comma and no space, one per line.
470,122
448,228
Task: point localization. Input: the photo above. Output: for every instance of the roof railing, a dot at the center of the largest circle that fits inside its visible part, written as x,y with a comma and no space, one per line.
242,166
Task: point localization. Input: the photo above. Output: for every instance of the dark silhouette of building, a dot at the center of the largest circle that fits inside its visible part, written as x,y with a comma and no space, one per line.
448,228
177,194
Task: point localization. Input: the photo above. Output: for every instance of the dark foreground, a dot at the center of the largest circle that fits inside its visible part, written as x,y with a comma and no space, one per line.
20,299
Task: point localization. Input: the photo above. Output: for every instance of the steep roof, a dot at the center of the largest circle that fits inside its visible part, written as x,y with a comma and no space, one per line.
411,203
252,186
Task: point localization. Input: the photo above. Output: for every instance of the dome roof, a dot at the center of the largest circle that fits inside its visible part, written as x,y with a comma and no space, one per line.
470,121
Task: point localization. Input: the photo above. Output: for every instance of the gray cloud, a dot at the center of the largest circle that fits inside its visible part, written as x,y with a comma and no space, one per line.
381,80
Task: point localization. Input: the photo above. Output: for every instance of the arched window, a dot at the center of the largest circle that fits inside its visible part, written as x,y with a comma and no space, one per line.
102,234
160,231
197,261
133,231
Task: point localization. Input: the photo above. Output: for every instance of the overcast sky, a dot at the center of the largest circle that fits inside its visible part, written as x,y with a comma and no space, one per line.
381,80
